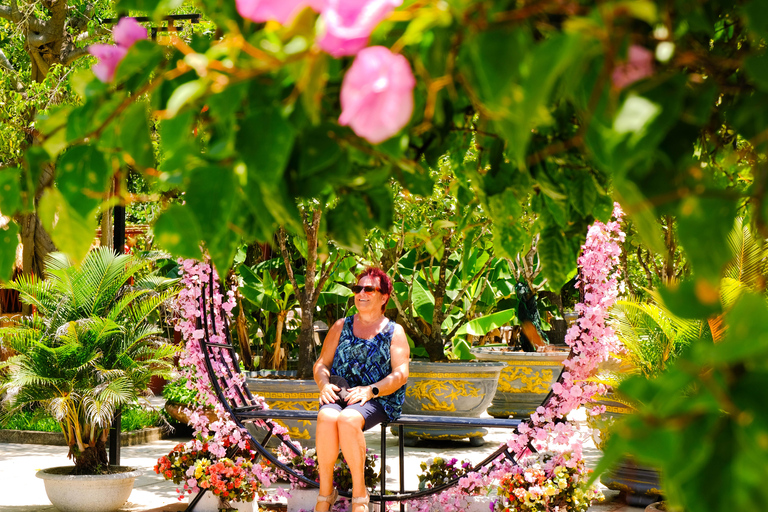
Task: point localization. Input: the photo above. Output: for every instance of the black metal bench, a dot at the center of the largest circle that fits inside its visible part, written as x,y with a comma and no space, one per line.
243,408
402,421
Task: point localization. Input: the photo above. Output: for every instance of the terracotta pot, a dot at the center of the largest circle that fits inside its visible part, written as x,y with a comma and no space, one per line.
87,493
178,413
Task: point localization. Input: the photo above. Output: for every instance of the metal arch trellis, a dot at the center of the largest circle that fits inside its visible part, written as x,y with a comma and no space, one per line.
243,401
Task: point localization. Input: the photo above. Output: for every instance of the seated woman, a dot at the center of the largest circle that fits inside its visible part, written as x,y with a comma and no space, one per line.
371,353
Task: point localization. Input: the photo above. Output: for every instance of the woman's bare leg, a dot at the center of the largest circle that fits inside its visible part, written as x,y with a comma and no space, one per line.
327,447
350,428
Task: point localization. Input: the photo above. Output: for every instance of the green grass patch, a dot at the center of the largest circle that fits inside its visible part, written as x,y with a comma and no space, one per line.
133,418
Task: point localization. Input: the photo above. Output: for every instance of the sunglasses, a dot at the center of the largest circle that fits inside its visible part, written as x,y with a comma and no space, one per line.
367,289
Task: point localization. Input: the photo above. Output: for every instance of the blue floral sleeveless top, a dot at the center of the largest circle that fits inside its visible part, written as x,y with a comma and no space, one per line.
364,362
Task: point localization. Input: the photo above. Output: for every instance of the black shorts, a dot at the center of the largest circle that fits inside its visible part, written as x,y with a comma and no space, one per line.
372,412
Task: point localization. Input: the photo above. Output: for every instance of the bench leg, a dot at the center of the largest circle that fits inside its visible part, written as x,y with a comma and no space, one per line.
383,483
401,454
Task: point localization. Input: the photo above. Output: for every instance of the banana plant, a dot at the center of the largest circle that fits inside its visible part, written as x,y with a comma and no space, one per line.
273,296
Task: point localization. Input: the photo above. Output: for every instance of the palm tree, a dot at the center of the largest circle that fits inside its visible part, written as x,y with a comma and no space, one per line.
89,348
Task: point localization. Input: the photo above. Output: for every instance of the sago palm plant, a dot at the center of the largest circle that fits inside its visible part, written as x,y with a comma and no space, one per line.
90,347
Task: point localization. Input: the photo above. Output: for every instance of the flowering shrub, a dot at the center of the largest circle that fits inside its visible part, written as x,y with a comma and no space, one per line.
547,482
439,471
193,465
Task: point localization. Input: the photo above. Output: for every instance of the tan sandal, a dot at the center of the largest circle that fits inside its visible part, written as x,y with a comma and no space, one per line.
330,499
362,500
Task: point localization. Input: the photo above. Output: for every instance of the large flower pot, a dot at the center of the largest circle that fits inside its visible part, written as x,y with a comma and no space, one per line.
88,493
211,503
291,395
524,382
639,485
449,389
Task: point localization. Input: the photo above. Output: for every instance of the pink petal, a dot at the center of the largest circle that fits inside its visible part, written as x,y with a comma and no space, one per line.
127,32
377,94
348,24
282,11
109,57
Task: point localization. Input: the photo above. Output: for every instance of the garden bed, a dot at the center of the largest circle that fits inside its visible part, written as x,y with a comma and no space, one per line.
143,436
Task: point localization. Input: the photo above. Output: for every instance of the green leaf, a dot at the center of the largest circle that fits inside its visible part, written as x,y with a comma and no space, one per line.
756,16
10,191
141,60
695,298
132,132
583,193
178,231
83,177
757,68
704,224
423,301
461,350
184,94
72,232
485,324
557,257
9,241
265,141
318,151
53,127
642,214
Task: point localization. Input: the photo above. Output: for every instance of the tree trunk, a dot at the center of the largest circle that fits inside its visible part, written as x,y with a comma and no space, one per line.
306,343
87,462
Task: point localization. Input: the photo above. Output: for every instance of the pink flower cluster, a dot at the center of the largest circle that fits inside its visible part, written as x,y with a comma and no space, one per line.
125,34
377,91
224,432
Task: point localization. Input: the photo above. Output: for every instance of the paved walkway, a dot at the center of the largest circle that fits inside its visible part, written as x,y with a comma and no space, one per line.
20,491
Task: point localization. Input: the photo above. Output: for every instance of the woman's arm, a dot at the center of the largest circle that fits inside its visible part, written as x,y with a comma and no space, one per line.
400,353
322,367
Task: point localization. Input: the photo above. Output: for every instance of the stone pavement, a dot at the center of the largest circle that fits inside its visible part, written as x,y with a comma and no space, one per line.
20,491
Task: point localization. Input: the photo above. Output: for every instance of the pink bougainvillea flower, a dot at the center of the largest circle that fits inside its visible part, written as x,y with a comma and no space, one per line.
348,24
639,65
109,57
377,94
281,11
127,32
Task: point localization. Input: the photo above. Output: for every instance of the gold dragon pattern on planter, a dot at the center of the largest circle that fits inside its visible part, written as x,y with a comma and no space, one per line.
284,405
524,379
440,395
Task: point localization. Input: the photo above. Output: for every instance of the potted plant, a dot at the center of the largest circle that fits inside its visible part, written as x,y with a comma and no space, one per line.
231,482
89,348
546,481
652,338
532,365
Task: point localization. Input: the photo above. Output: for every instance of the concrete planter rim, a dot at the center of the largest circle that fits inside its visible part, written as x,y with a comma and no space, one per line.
130,472
483,351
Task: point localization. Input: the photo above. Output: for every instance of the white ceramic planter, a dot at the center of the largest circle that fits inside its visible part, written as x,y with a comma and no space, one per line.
87,493
304,500
211,503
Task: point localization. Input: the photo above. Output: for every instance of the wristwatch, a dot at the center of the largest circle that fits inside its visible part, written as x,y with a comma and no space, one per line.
375,390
